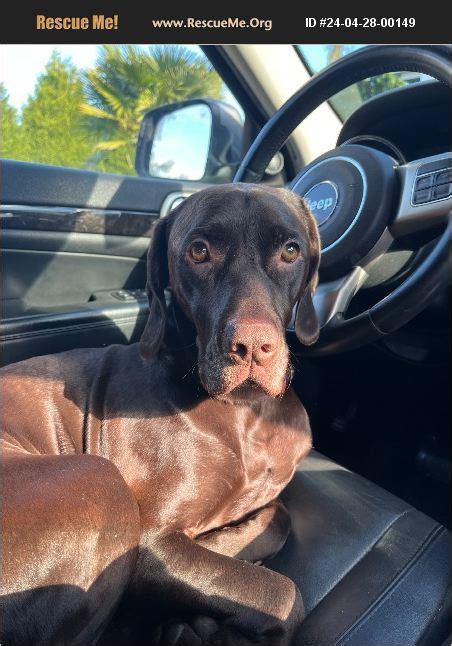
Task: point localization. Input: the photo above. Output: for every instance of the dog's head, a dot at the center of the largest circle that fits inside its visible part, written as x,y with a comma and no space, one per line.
237,259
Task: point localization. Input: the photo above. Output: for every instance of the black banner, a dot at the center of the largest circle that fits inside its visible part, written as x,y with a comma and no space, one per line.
225,23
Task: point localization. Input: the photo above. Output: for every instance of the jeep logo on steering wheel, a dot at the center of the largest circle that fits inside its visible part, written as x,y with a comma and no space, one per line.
321,200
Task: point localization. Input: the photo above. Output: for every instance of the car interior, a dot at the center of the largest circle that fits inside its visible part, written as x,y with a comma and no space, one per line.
370,506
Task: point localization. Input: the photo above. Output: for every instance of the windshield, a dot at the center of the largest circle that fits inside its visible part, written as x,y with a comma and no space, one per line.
316,57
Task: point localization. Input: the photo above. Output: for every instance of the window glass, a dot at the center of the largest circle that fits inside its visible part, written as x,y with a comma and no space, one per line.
316,57
82,105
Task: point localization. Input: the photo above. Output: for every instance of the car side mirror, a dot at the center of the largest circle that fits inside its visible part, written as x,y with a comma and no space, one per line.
198,139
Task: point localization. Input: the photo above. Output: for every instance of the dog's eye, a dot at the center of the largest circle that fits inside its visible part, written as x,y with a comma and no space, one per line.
199,252
290,252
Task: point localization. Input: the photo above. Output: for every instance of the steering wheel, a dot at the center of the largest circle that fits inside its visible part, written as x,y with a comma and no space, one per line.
363,200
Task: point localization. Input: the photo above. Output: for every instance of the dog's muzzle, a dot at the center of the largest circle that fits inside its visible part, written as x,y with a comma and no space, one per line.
253,352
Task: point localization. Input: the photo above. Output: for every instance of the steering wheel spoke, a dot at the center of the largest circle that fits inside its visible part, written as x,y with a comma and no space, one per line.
333,297
425,195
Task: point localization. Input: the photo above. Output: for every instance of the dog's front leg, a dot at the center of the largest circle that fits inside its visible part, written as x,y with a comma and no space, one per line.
70,533
248,603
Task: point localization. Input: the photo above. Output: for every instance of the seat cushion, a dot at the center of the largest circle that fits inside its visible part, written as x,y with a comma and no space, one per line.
372,570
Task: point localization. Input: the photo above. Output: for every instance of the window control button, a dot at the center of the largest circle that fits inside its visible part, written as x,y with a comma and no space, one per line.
443,190
444,177
424,182
129,294
138,293
123,295
420,197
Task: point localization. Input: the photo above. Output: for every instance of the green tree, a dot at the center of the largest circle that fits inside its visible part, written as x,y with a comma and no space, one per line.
377,84
51,120
348,100
11,143
128,81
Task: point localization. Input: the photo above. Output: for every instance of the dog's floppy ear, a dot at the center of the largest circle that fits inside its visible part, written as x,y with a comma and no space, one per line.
307,326
157,280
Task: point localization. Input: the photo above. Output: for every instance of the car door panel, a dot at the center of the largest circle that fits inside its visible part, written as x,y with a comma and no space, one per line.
47,269
43,185
72,240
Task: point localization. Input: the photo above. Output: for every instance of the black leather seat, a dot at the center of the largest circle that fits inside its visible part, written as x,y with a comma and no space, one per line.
371,569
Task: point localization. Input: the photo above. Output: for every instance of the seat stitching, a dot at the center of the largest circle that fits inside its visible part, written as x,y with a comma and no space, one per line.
433,535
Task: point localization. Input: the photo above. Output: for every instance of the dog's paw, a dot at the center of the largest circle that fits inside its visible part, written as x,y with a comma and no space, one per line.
200,631
197,632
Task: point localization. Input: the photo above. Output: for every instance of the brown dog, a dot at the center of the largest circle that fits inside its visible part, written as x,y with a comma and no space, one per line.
138,473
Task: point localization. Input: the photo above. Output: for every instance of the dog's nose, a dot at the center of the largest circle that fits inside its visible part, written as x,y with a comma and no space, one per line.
252,340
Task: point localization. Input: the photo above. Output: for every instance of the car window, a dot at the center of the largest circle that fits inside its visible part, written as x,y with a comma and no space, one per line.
82,105
316,57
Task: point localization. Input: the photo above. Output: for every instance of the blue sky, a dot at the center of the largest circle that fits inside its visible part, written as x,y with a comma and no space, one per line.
20,65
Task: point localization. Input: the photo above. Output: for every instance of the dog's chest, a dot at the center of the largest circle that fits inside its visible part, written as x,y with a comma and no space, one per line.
212,465
253,463
269,459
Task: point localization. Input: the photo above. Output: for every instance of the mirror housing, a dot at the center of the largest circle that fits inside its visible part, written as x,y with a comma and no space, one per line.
197,139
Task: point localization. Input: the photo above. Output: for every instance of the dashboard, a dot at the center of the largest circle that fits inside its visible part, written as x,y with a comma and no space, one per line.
407,123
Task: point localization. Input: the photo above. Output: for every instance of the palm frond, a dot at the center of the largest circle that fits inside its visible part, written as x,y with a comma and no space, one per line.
97,113
110,145
129,80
